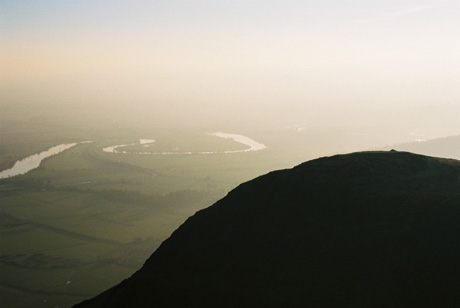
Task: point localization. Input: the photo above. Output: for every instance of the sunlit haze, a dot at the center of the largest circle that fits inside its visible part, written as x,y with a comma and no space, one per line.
330,59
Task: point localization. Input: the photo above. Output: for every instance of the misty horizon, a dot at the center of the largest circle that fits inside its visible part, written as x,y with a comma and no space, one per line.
325,62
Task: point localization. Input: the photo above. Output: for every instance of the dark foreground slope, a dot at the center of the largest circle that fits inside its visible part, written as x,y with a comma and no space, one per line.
361,230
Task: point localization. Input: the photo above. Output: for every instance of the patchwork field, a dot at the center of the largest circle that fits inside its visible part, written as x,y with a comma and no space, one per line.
86,219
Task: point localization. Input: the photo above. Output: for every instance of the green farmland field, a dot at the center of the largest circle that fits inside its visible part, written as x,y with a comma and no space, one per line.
86,219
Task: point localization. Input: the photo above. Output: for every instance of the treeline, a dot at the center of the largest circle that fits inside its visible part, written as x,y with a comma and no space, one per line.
182,198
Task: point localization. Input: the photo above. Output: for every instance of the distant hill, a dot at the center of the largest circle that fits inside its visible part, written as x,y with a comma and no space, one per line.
370,229
448,147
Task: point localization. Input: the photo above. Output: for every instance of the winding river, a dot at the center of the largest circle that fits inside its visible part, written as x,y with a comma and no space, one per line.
114,148
252,146
32,162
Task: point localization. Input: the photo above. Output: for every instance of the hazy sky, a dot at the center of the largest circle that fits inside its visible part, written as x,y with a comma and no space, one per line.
246,53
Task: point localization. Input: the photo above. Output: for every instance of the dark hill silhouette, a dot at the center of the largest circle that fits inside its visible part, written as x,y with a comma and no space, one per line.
372,229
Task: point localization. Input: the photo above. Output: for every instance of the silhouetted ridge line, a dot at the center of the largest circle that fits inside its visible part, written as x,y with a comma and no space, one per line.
369,229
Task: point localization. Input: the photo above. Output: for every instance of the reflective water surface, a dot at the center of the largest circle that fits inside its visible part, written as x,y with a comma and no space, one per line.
32,162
